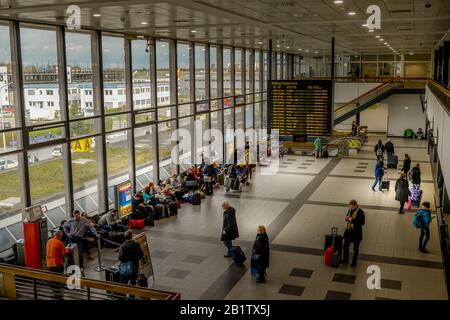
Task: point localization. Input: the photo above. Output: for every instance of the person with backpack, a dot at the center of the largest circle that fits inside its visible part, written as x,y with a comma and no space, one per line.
402,191
355,219
379,150
406,164
379,173
416,175
318,147
130,253
422,220
260,254
229,227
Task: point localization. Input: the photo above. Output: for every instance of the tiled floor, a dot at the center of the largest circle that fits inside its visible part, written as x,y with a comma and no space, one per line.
298,206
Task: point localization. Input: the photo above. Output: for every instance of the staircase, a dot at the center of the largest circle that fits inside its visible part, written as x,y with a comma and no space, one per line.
376,95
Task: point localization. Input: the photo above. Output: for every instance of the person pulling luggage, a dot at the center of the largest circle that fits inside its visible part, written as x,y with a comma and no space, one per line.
229,228
355,219
260,254
379,173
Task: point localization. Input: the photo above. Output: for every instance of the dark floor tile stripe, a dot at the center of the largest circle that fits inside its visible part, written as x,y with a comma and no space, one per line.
283,166
291,159
291,290
302,167
302,273
399,147
286,162
391,284
337,295
225,283
250,197
344,278
374,160
359,170
361,167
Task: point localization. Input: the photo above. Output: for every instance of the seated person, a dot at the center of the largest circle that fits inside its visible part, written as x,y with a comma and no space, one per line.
149,197
109,222
419,134
141,211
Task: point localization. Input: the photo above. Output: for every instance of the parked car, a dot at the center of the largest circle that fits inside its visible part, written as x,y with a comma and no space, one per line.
57,151
8,164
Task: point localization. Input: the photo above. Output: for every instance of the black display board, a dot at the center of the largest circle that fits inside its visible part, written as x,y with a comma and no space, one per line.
301,107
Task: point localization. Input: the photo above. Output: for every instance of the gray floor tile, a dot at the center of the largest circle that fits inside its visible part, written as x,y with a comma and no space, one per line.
306,164
194,259
344,278
302,273
160,254
291,290
302,167
177,273
337,295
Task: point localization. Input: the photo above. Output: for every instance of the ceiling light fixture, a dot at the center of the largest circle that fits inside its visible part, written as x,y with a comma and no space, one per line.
96,15
371,30
351,13
364,25
288,47
260,42
299,49
193,31
338,1
378,37
381,39
306,50
316,52
144,23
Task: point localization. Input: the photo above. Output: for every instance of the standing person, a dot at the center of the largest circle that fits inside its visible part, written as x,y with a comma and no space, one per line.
422,220
260,254
354,128
229,228
318,147
389,147
208,173
353,233
406,165
416,175
130,253
55,253
379,150
379,173
402,191
75,228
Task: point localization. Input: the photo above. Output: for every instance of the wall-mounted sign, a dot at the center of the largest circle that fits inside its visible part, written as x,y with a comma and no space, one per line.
81,145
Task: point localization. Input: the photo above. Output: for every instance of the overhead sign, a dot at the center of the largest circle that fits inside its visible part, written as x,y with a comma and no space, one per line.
124,193
82,145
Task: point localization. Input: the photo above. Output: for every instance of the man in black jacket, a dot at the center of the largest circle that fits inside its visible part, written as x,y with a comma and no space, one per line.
353,234
130,251
229,229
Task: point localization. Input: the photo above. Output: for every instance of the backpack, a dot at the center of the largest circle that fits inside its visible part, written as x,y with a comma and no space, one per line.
418,220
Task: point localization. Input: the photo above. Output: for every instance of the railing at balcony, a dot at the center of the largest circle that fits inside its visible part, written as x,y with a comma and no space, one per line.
441,92
31,284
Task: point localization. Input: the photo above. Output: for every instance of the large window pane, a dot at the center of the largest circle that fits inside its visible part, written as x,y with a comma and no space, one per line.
10,194
166,167
238,71
213,71
114,74
201,144
239,116
84,174
227,72
248,71
141,75
143,139
279,66
185,146
162,73
79,76
117,157
258,115
200,72
249,116
183,73
46,176
229,137
40,75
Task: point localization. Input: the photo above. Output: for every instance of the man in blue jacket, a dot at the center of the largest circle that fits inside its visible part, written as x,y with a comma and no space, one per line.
379,173
423,217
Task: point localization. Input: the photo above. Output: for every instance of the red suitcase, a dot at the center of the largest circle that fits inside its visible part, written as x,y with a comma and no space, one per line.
136,224
328,256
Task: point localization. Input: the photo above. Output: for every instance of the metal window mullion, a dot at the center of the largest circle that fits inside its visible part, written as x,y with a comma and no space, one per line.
130,104
219,56
233,93
208,95
193,107
261,86
64,106
98,91
173,67
252,84
16,55
154,96
243,84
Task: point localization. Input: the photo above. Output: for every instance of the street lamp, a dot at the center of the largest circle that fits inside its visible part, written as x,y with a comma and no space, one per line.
1,115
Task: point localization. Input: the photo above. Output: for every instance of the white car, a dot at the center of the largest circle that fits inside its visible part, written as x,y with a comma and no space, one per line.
8,164
57,151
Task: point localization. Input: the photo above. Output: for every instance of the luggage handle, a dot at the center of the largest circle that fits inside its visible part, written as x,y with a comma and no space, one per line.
334,230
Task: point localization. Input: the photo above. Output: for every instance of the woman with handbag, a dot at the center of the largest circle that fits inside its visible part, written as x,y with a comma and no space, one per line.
130,253
260,255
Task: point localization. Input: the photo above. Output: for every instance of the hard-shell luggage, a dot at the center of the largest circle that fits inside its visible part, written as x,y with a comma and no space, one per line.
238,255
336,260
328,256
416,196
112,274
392,160
172,209
136,224
333,240
196,199
385,184
324,154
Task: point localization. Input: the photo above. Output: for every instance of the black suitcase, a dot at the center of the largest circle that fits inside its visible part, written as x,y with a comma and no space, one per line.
196,199
150,219
392,160
159,212
385,184
112,274
238,256
172,209
333,240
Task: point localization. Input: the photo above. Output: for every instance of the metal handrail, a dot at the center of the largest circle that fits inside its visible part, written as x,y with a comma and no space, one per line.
441,92
36,283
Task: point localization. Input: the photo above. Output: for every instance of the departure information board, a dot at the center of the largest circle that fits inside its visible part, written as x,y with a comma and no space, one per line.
301,107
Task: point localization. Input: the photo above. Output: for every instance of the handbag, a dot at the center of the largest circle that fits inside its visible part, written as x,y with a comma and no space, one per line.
207,178
127,268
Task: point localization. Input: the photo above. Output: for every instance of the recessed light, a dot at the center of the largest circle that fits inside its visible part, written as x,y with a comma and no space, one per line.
385,43
351,13
306,50
260,42
364,25
144,23
96,15
381,39
193,31
338,1
378,37
411,53
315,52
371,30
299,49
278,45
288,47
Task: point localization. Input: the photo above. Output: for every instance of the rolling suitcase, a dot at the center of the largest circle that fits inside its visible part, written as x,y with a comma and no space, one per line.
416,196
392,160
385,184
333,240
238,256
328,256
136,224
112,274
196,199
173,208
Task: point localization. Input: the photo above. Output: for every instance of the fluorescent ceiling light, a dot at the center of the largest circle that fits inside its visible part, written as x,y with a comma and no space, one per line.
381,39
306,50
97,15
193,31
378,37
338,1
351,13
370,30
288,47
299,49
144,23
